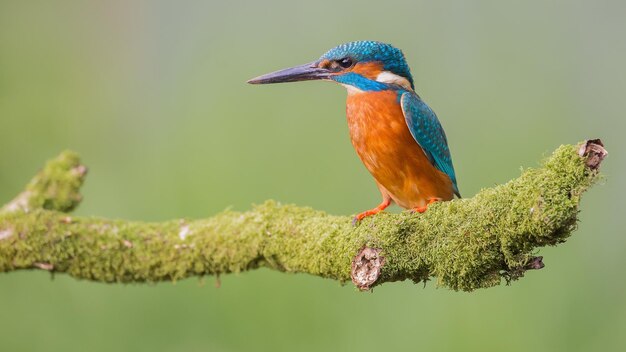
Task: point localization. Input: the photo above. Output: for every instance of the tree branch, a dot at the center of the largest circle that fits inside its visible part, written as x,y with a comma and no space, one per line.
466,244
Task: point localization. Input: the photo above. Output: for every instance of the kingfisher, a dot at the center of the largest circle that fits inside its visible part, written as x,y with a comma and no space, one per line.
395,134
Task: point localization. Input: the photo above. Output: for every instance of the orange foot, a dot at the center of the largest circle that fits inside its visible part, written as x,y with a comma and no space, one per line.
423,209
382,206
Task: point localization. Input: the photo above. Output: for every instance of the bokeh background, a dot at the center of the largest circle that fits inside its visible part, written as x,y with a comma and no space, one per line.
152,94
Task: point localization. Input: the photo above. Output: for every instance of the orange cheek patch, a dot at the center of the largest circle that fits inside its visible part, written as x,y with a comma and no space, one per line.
324,64
369,70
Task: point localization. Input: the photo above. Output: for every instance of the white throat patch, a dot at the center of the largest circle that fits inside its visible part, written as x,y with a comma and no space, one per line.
392,78
351,89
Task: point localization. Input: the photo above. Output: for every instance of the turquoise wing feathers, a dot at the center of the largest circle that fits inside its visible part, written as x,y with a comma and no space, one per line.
428,133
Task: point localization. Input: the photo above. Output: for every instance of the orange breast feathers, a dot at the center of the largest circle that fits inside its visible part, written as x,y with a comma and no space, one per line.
384,143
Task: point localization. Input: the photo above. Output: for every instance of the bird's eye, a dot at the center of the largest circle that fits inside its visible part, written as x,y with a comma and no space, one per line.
346,62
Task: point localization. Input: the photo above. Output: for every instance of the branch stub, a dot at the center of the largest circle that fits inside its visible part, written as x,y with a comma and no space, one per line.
593,150
366,267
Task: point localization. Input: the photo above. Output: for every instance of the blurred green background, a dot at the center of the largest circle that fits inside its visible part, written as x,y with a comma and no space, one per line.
152,94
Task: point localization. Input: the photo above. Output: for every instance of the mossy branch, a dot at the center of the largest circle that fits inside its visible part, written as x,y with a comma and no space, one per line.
466,244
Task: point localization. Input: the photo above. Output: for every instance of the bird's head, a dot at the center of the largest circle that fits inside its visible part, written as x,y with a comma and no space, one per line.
361,65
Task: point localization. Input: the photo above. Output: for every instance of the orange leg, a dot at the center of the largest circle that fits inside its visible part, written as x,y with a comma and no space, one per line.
382,206
423,209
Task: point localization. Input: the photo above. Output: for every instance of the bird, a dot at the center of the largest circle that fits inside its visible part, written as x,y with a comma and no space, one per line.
396,135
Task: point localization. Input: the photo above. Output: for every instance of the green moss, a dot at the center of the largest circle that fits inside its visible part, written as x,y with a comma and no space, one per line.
466,244
55,187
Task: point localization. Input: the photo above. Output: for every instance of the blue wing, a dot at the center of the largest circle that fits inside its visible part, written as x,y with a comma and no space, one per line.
428,133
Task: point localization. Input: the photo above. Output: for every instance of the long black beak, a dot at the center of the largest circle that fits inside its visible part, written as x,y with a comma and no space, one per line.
306,72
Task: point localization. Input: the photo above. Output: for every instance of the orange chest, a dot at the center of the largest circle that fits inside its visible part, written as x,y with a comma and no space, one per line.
382,140
378,130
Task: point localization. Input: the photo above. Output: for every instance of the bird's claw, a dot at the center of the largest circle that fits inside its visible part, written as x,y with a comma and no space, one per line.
420,210
357,219
382,206
425,207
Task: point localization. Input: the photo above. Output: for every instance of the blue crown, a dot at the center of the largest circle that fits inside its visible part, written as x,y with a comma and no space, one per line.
366,51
